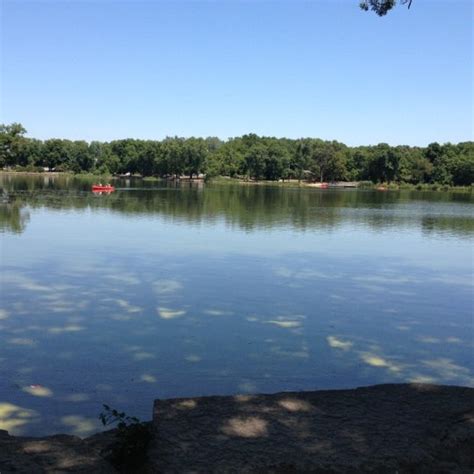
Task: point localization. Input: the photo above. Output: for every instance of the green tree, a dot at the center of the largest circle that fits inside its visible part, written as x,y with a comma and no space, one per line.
105,161
57,154
228,160
148,156
255,158
327,160
301,157
463,170
463,166
384,165
414,166
277,159
443,161
358,161
173,155
433,152
382,7
81,157
11,142
194,154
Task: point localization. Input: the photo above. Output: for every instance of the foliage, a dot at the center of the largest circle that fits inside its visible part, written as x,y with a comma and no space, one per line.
132,439
382,7
11,144
250,156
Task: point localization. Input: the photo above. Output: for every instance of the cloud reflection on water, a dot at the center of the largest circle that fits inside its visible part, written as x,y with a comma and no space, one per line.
274,306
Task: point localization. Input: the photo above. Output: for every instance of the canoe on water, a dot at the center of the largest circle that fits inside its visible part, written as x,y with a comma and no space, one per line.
102,188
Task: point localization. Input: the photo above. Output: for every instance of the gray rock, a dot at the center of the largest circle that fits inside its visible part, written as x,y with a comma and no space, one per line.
380,429
51,455
386,428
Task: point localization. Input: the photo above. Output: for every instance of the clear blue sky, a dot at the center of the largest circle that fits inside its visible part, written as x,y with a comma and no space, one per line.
104,69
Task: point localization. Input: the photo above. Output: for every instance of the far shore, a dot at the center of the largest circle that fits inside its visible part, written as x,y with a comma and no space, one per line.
289,182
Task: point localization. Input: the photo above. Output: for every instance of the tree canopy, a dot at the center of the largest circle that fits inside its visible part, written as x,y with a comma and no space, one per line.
382,7
249,156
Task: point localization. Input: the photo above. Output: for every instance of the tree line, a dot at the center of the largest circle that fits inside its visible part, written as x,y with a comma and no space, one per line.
249,157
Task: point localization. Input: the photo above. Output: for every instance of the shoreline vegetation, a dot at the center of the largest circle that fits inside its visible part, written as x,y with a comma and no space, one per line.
367,185
249,158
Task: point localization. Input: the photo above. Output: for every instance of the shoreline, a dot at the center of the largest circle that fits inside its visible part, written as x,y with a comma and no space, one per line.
381,428
361,185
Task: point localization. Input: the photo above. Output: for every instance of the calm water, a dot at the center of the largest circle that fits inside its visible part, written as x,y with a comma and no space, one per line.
164,291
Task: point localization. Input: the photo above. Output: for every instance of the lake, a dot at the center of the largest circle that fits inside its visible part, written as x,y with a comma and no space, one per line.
161,290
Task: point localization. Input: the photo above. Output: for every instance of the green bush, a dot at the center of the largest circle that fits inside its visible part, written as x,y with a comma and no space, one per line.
129,452
29,169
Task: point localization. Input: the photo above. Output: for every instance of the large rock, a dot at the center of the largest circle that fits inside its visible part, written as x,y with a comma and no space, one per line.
384,428
53,455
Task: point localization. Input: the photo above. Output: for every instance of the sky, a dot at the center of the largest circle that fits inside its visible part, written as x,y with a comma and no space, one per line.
110,69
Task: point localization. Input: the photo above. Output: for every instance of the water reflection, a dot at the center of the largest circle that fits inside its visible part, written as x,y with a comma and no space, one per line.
248,207
13,217
166,292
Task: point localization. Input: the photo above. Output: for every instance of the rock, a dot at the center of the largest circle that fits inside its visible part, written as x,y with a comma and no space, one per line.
51,455
404,428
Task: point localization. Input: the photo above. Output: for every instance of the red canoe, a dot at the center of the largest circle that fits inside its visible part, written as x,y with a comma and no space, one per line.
101,188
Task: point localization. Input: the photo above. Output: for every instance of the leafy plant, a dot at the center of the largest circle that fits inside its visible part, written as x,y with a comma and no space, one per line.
129,451
110,416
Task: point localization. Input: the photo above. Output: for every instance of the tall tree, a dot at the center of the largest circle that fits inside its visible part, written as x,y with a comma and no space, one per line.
57,154
384,166
195,153
327,160
11,140
301,158
82,158
255,158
